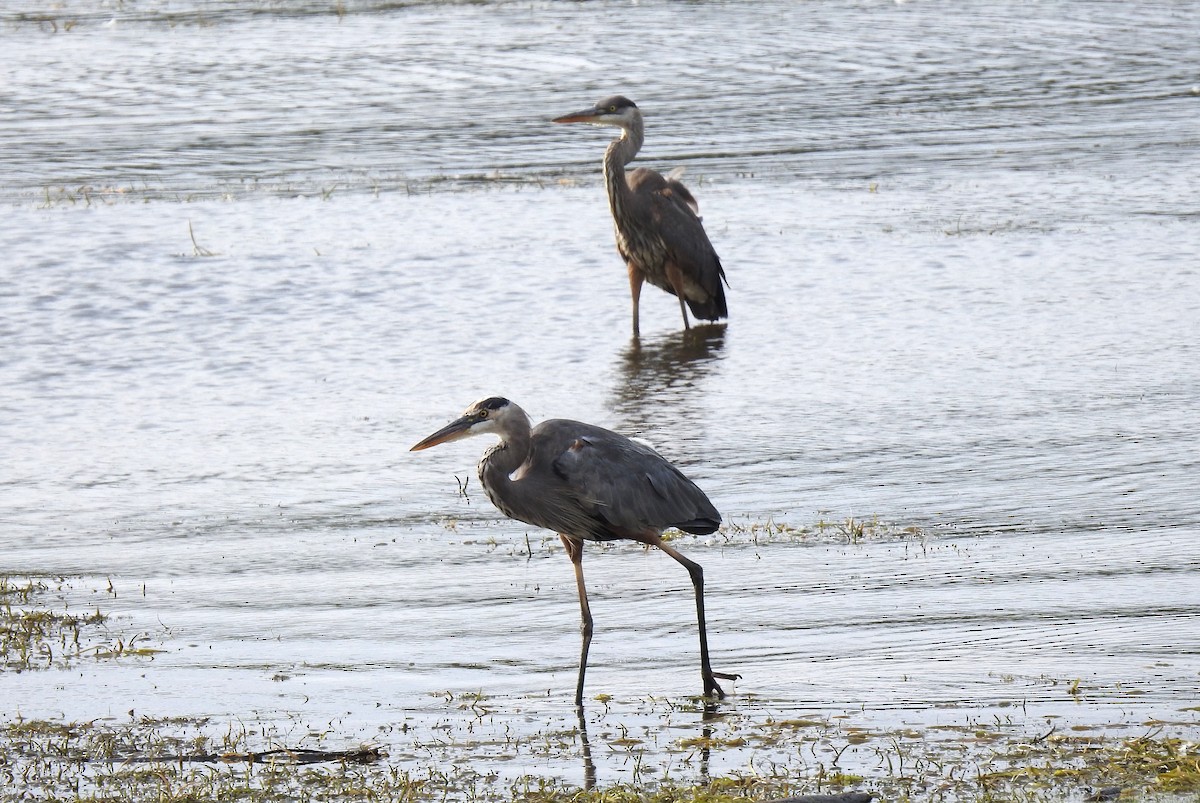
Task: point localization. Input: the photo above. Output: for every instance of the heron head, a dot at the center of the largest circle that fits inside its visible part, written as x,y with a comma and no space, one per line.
486,415
617,110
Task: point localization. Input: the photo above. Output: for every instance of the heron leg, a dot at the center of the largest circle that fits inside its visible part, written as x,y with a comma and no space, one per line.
575,553
711,687
683,309
675,277
636,277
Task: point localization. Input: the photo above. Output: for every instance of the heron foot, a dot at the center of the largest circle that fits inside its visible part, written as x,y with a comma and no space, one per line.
712,688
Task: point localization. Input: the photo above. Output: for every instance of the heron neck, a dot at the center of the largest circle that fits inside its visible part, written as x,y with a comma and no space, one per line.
619,153
499,462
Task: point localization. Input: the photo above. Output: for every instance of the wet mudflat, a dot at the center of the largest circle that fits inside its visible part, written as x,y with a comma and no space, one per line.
253,253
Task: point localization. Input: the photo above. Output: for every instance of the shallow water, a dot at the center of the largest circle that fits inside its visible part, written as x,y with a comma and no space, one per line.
254,253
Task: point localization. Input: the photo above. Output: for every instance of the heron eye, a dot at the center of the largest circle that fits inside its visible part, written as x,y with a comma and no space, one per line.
612,108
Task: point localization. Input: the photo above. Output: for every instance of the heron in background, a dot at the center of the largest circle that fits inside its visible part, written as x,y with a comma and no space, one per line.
659,233
587,484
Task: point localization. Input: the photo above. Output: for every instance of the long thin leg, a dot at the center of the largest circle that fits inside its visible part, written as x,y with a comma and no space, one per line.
675,277
575,553
683,309
697,574
636,277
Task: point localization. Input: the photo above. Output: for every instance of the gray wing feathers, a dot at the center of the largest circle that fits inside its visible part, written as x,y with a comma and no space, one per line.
627,488
673,209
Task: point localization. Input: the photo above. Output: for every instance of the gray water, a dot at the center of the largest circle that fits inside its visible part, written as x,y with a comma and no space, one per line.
253,252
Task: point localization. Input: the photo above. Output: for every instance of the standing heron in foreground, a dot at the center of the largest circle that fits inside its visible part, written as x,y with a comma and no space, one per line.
587,484
659,233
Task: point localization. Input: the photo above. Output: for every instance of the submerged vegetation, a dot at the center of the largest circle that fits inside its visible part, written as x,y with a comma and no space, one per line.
37,635
179,760
851,530
465,745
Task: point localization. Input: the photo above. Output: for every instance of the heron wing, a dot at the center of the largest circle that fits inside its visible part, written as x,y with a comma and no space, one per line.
672,210
627,488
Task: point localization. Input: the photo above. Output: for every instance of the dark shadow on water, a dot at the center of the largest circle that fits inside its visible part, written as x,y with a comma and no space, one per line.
661,379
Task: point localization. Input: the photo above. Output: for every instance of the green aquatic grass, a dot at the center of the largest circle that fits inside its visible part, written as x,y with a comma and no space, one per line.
850,530
39,631
176,760
32,635
477,747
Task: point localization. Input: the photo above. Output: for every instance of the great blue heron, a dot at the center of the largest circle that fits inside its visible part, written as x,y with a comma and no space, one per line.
659,233
587,484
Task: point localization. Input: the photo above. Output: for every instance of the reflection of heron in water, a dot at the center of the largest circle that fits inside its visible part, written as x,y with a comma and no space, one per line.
659,233
709,714
589,766
661,379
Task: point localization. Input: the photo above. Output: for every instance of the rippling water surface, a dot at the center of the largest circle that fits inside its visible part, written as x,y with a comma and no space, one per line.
252,252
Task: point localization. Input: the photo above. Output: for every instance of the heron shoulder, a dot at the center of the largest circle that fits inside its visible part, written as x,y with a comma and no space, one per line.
562,434
650,183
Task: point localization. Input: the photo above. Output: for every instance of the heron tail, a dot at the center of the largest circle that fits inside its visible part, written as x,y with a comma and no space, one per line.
699,526
713,309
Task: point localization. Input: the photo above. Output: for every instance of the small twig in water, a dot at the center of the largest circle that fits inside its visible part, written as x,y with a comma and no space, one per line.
197,249
1046,735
